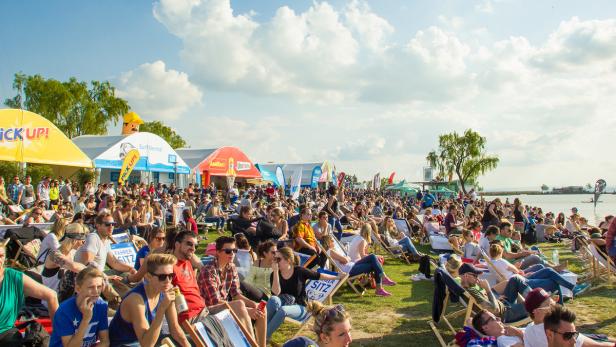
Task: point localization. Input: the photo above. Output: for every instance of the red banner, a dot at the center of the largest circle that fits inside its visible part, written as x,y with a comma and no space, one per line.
391,178
341,178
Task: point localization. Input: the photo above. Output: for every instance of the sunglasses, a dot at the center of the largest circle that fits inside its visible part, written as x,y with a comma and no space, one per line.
163,277
229,250
496,319
568,335
161,238
333,312
109,224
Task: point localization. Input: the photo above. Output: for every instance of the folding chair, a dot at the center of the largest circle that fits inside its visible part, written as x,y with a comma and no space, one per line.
18,254
395,251
602,264
336,267
318,290
234,329
305,260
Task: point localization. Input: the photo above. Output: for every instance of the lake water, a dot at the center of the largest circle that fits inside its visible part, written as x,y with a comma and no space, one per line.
564,203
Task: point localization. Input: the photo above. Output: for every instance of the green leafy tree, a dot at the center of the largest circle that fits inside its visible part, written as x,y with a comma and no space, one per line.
168,134
544,187
462,155
73,106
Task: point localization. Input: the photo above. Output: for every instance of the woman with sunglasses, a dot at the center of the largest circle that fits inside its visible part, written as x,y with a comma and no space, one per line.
260,272
139,319
332,325
56,259
288,282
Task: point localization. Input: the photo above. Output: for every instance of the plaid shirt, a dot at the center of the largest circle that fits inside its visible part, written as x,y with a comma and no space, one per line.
217,287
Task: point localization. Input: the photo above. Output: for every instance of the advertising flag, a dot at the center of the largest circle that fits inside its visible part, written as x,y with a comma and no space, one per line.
130,160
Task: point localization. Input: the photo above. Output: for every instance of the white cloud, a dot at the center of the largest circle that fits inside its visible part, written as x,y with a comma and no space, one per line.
156,92
485,6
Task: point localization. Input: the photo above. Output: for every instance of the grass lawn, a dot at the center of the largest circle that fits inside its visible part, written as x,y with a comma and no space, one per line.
401,320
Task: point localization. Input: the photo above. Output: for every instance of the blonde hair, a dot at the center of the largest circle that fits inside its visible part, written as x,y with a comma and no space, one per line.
453,264
154,261
288,255
58,227
88,272
325,240
324,321
365,232
496,250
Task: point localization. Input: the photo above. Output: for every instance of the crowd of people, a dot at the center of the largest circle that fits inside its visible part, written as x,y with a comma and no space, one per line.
257,273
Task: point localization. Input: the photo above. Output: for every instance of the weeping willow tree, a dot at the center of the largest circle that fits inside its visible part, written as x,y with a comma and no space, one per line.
463,155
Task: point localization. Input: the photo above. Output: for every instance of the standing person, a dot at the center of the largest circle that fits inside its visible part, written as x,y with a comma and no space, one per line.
139,319
42,192
490,215
519,215
66,191
289,289
82,319
14,189
219,283
332,325
332,209
54,194
183,248
14,287
26,195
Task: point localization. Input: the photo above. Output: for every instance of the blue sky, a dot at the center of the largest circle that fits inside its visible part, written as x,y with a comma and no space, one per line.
367,84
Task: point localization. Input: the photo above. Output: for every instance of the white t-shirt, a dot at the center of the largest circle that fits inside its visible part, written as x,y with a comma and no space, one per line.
354,246
343,267
94,244
502,266
534,336
471,250
50,242
506,341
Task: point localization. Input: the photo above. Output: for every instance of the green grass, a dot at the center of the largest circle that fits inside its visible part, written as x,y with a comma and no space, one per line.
401,320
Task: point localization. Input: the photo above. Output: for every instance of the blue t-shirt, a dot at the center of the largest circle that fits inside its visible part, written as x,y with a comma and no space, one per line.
142,253
67,320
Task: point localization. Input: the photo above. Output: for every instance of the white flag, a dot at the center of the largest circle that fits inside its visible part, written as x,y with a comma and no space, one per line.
296,182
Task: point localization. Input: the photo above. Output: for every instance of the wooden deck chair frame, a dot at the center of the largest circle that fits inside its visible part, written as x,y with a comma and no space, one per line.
199,342
602,264
498,273
587,257
379,242
308,262
348,280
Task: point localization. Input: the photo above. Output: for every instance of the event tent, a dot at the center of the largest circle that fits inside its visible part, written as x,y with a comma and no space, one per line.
27,137
157,157
218,162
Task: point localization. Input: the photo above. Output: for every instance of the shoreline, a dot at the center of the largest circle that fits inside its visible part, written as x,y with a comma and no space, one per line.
532,192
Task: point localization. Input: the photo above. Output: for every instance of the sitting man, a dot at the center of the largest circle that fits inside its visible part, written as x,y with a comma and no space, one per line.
559,327
185,278
82,319
96,251
506,336
539,304
480,289
527,257
305,239
220,286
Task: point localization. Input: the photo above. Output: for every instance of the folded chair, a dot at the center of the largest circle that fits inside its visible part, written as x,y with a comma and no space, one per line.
239,336
22,246
603,266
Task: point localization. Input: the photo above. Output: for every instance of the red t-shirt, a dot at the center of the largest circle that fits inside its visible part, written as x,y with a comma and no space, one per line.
186,281
193,225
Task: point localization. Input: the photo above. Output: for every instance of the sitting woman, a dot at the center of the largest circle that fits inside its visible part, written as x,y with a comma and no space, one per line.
332,326
321,226
360,244
366,265
455,241
62,259
259,274
393,237
288,282
281,226
51,241
139,319
216,215
471,249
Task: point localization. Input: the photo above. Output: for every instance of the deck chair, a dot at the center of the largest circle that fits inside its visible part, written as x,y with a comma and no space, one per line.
394,251
305,260
124,249
602,264
321,291
353,282
21,246
236,331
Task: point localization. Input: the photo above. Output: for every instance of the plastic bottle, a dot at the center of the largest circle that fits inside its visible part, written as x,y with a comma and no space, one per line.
180,301
555,259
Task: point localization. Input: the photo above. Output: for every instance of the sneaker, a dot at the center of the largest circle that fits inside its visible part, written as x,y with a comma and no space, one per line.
387,282
580,288
418,277
382,292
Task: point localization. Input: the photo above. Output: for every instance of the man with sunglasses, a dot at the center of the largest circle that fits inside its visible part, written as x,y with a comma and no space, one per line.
539,304
220,285
560,328
185,278
96,250
488,324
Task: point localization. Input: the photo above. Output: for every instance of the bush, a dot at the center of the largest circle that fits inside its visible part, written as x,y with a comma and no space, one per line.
36,171
83,176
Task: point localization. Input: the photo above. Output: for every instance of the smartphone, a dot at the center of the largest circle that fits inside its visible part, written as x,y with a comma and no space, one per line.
261,306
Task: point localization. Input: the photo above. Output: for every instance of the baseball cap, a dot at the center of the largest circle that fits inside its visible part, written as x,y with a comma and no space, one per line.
535,298
300,341
468,268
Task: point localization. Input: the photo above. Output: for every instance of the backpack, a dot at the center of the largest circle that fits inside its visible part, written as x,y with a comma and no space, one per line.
34,335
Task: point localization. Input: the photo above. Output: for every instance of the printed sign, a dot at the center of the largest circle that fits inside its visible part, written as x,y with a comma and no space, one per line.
243,166
121,237
125,252
130,160
18,134
319,290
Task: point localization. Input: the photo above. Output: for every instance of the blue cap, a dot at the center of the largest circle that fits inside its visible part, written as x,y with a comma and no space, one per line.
300,341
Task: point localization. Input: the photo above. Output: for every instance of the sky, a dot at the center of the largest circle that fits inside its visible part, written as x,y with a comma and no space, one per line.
368,85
